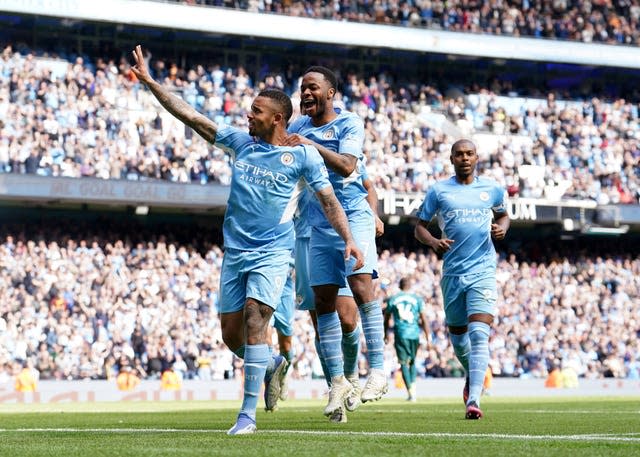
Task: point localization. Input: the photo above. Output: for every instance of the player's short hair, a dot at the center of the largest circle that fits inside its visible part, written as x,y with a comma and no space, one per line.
460,142
404,283
281,99
324,71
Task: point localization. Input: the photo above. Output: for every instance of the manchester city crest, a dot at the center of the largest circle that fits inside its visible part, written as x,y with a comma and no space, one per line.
328,134
286,158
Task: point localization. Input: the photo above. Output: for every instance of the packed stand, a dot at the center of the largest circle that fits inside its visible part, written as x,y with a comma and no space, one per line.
612,22
83,304
93,119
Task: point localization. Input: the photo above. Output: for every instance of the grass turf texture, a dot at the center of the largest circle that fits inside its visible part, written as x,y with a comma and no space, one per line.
528,427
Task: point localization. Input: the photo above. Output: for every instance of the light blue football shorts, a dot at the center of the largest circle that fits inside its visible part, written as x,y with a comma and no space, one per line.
304,292
282,319
345,292
468,294
326,254
252,274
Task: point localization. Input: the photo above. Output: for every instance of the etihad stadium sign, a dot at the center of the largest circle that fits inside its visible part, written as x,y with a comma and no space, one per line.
524,210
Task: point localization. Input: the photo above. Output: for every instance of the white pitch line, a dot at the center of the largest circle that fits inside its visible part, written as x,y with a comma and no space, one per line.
502,436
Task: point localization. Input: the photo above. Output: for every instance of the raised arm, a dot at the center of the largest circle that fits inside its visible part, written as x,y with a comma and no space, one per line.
338,220
202,125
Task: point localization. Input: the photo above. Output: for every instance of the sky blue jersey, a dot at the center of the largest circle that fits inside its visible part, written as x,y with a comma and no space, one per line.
301,218
265,187
345,134
464,214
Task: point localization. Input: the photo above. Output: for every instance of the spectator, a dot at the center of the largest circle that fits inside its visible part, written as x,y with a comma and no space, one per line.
170,380
127,380
26,378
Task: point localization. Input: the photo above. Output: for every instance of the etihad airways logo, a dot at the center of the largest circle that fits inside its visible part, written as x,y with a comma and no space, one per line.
258,175
475,215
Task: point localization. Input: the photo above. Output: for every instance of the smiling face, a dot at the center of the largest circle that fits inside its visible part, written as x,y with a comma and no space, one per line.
464,159
316,94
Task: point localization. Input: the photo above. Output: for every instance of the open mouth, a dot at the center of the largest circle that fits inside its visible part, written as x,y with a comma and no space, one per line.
308,104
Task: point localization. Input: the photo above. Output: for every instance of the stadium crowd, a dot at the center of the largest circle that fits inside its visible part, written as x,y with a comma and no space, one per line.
82,302
93,119
599,21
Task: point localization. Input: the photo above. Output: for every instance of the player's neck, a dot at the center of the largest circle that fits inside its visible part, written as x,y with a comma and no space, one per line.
326,117
275,138
465,180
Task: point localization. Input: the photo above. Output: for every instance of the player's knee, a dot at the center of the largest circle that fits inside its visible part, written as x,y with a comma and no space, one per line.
348,319
348,327
478,332
362,291
255,323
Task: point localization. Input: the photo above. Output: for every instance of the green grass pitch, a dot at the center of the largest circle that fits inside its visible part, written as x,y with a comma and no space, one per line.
527,427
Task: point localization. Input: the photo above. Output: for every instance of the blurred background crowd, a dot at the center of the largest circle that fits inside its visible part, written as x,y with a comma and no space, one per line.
79,302
92,119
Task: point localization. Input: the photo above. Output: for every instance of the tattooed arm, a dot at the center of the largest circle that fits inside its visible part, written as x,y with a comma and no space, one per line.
343,164
338,220
203,126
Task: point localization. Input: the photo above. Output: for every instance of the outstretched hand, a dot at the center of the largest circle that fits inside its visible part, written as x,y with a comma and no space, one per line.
140,69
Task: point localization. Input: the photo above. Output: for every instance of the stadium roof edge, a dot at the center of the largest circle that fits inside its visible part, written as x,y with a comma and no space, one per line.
226,21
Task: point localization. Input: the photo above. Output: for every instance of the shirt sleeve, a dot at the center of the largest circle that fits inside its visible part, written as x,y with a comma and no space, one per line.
499,200
363,171
429,205
231,140
352,138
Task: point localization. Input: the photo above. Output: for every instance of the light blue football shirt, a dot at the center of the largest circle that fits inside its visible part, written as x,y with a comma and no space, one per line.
301,218
345,135
464,214
265,186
